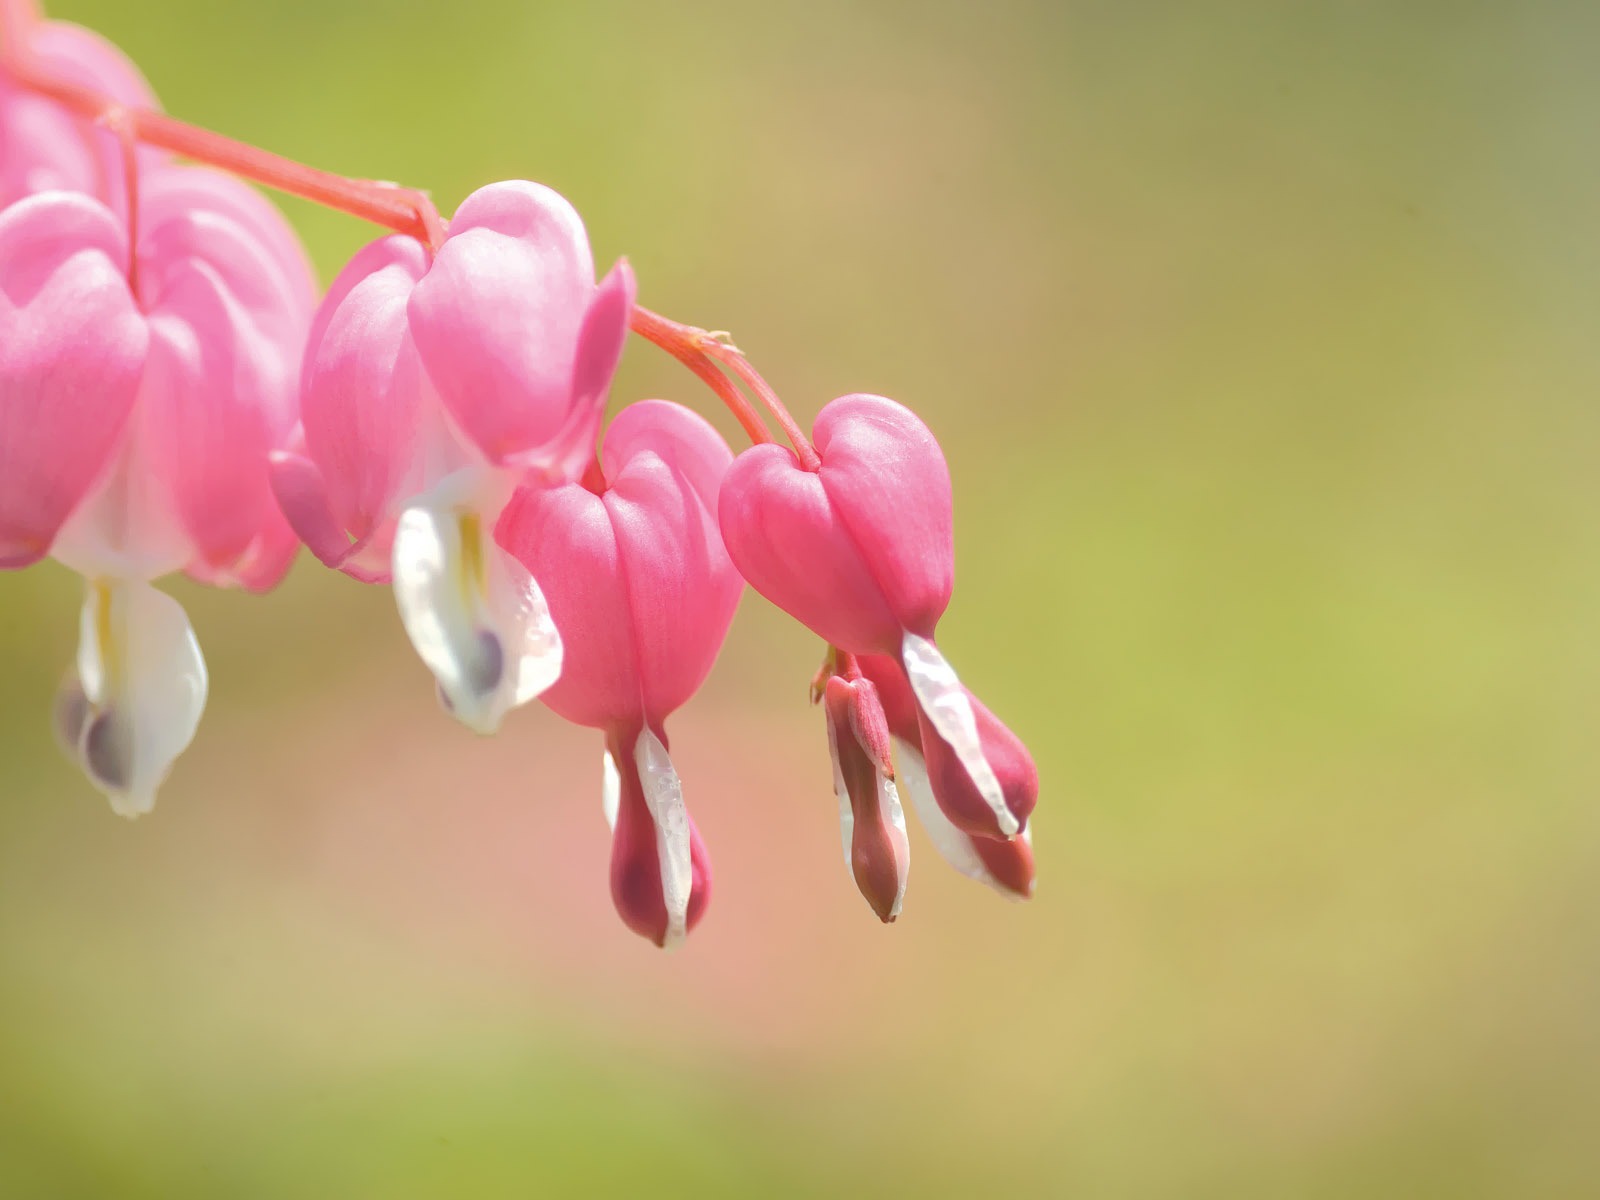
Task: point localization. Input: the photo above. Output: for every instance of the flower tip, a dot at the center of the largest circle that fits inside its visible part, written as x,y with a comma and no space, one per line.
130,805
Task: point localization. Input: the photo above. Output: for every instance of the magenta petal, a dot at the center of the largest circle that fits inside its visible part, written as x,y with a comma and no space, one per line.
682,587
206,379
72,349
886,476
637,580
640,887
953,787
564,536
792,545
302,497
364,389
497,318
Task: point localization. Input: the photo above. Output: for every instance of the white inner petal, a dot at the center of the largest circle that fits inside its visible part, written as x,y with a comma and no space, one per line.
475,616
889,807
949,711
610,791
126,528
953,846
847,816
663,795
144,686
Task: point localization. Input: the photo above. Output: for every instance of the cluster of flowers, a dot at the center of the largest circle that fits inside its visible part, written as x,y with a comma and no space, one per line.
175,397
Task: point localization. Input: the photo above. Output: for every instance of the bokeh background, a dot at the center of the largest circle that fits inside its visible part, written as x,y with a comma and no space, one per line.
1262,341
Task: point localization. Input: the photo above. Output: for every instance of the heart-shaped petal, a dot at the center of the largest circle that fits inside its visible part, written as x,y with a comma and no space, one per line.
637,579
860,550
498,316
364,391
72,350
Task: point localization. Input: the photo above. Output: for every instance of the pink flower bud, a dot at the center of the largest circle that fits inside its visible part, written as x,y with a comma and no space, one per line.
871,822
935,783
643,592
860,551
660,871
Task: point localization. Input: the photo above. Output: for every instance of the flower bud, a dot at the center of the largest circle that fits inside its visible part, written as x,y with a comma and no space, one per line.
931,779
871,823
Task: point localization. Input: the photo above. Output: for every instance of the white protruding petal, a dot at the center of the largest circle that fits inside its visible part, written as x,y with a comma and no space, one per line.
610,791
894,814
475,616
953,846
144,687
663,795
949,711
847,815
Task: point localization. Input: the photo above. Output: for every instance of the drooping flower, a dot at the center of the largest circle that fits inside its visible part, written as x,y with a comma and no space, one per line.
643,592
925,765
43,146
872,825
861,552
135,424
431,390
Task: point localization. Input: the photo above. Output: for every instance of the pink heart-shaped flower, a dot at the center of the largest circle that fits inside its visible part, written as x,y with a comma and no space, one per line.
859,551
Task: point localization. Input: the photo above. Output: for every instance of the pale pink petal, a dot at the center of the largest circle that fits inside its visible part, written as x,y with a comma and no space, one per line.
208,379
72,349
498,316
302,497
80,56
206,213
678,436
600,343
364,391
43,148
263,566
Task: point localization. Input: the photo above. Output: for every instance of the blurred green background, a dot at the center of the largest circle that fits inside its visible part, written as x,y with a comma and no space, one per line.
1261,339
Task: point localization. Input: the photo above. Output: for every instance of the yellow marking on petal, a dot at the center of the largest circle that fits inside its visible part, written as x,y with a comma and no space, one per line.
472,570
111,647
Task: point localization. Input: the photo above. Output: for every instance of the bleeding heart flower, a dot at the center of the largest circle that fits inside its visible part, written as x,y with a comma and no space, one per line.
861,552
431,390
134,433
643,592
935,782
